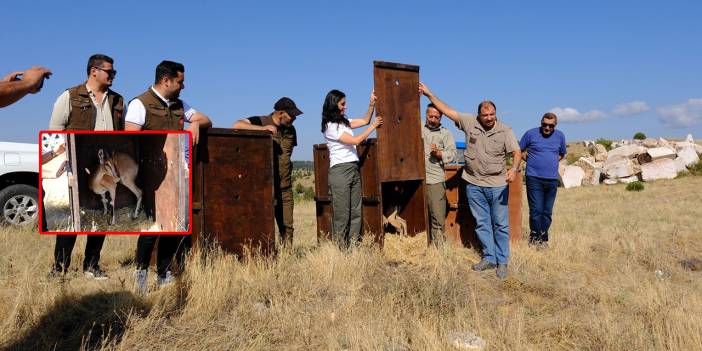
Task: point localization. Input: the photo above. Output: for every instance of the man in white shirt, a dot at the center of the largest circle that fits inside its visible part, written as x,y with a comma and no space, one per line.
160,108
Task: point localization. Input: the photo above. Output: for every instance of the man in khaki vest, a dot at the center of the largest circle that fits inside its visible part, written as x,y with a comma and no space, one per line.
488,141
279,123
88,106
159,108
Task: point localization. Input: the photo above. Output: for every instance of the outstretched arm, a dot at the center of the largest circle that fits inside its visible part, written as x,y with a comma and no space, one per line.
12,90
440,105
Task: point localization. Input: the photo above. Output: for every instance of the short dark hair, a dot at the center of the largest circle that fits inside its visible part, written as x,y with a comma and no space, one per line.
486,102
550,115
168,69
431,105
97,60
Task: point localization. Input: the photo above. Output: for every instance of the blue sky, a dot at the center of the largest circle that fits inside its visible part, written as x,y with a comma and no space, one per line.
609,69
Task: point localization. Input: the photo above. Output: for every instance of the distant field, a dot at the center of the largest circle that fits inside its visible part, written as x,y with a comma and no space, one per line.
612,279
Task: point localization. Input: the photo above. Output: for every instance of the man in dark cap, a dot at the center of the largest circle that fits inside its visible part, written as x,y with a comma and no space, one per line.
280,124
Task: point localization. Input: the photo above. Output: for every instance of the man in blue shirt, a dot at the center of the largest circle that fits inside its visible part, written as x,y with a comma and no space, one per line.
542,148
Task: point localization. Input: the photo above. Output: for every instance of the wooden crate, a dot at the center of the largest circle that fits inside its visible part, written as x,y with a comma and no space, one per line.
460,224
233,190
370,188
379,198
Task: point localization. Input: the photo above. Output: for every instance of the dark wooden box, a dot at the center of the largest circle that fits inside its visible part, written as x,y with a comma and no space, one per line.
379,198
460,224
233,194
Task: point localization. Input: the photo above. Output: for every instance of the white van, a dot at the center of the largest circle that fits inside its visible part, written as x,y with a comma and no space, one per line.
19,179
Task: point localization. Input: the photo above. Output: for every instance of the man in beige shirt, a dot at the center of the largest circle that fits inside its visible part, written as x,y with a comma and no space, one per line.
488,141
439,149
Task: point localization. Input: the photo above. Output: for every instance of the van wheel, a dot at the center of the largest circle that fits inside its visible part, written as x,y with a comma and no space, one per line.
19,204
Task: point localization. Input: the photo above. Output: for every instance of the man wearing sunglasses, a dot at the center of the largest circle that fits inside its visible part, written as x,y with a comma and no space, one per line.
542,148
88,106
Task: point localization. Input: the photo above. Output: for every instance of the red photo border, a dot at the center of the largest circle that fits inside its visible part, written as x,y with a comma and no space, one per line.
190,182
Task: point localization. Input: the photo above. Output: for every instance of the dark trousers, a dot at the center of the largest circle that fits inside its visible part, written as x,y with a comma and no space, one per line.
64,247
169,247
541,194
284,215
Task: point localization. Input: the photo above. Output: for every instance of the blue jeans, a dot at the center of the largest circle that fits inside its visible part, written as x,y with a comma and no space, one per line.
489,207
541,194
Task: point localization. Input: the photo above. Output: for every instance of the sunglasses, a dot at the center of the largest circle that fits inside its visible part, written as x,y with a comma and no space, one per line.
548,125
110,72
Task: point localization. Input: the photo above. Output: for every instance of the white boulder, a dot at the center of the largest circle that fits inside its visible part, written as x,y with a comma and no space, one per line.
688,156
610,181
621,168
626,151
628,180
680,165
658,153
572,176
659,169
600,153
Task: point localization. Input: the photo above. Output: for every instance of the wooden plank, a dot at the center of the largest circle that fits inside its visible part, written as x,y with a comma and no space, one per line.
237,190
73,194
400,147
170,194
321,171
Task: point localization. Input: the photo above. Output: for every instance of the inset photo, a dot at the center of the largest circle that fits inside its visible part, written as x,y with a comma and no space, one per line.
115,182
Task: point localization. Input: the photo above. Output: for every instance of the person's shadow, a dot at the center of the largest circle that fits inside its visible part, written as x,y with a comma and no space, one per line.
72,323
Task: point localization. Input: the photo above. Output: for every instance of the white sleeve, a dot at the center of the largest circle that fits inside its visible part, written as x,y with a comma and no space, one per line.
189,111
333,132
136,113
60,113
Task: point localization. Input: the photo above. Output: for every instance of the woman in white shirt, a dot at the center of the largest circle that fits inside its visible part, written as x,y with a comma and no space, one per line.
344,178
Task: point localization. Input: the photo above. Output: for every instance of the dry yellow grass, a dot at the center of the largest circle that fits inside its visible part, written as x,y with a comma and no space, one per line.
611,280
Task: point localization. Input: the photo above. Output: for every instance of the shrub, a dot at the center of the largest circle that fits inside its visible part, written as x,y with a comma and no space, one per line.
635,186
604,142
303,193
695,169
639,136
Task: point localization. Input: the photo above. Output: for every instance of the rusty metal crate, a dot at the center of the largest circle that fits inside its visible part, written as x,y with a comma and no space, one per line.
233,194
460,224
372,212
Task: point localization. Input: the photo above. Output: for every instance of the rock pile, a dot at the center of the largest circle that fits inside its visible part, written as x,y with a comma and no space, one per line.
631,160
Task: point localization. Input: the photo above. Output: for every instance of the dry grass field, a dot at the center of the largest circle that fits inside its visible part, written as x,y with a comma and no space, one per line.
612,279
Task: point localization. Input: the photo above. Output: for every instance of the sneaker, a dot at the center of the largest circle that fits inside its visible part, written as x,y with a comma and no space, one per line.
95,273
164,280
483,265
140,281
501,271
